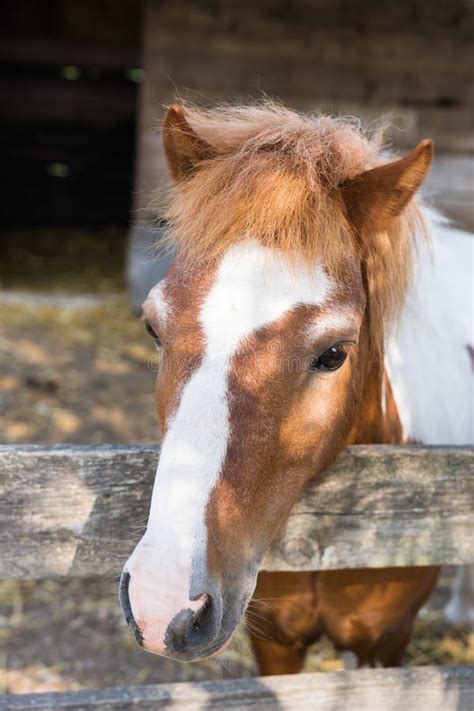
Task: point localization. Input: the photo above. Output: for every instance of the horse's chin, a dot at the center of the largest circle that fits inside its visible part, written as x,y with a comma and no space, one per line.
222,649
195,655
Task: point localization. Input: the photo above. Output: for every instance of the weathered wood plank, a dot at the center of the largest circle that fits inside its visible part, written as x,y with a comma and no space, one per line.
313,52
381,506
422,688
75,510
370,39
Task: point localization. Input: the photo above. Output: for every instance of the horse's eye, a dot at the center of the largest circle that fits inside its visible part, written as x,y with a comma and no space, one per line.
152,333
332,359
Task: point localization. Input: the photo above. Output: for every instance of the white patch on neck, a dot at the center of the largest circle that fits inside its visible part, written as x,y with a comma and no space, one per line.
427,359
254,286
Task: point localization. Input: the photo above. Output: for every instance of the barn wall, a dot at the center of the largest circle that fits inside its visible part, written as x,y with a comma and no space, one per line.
412,58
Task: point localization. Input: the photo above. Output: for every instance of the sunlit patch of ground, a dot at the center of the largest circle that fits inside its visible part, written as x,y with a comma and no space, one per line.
76,376
87,377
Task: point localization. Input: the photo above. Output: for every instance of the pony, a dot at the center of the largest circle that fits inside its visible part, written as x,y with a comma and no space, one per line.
295,240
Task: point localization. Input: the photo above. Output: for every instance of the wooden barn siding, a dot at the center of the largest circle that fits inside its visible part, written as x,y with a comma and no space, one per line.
80,510
415,59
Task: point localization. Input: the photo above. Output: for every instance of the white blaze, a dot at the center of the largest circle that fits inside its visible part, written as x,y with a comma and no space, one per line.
254,286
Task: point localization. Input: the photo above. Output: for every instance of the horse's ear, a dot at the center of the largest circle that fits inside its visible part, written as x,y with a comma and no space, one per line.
375,197
183,147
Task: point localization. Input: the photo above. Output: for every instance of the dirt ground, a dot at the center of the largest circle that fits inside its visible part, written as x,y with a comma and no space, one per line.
80,375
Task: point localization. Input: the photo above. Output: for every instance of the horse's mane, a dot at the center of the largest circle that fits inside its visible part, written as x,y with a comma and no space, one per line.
274,176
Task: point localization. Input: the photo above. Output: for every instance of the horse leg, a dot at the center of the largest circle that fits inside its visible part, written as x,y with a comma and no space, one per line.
283,616
391,647
371,612
275,658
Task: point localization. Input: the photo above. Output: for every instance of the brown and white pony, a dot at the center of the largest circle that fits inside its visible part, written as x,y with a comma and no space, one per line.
294,241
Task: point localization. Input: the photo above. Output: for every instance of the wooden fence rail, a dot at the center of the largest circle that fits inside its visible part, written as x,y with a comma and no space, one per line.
422,688
75,510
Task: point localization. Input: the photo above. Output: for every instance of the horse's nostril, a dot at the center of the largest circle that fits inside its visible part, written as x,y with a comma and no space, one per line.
127,608
202,613
191,629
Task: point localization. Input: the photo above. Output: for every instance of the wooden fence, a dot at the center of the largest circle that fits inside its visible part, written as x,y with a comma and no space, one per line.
73,511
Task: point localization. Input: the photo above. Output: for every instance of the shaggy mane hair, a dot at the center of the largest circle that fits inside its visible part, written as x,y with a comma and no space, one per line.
274,175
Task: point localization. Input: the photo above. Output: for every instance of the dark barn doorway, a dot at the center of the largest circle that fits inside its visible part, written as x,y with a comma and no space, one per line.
69,76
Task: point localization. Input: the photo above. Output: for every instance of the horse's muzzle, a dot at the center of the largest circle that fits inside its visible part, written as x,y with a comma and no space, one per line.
191,634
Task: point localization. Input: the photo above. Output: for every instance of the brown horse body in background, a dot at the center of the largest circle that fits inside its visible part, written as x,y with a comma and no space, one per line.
293,241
